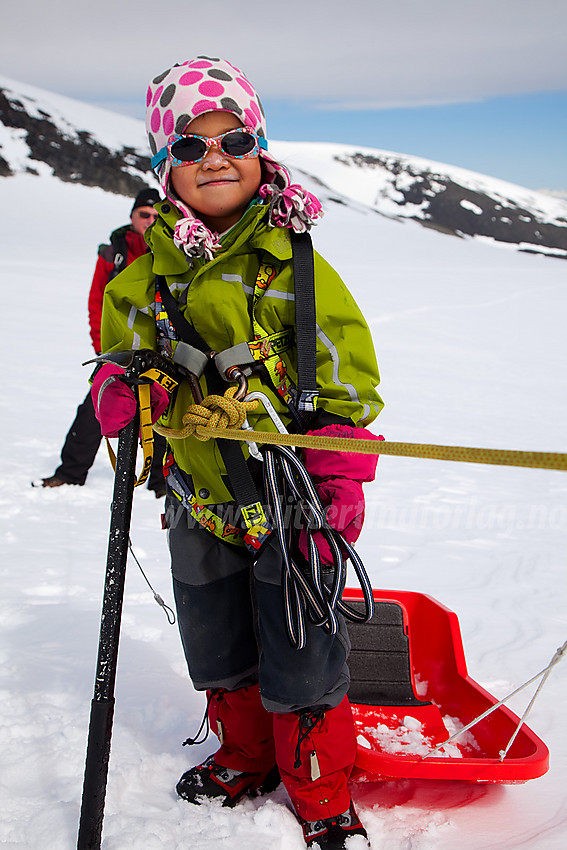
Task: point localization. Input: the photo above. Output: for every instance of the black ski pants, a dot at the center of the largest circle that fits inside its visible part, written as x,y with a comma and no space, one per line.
231,619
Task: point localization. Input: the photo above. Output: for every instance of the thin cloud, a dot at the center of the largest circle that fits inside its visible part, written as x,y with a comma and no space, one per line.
371,53
377,105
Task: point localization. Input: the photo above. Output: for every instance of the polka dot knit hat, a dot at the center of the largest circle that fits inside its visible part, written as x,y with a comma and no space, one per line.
202,85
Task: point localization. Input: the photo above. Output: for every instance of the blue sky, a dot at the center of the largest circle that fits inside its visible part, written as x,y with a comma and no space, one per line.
520,138
480,85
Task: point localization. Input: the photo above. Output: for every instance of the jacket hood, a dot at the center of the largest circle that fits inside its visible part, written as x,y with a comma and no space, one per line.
254,226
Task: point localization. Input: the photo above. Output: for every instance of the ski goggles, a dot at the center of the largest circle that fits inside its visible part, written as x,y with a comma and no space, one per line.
189,148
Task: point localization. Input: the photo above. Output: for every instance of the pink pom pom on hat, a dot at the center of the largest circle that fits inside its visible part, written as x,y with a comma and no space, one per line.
202,85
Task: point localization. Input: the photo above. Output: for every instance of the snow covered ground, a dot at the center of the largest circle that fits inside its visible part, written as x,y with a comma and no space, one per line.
472,348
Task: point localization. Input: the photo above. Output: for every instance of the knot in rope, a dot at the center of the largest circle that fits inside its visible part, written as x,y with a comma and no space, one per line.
217,411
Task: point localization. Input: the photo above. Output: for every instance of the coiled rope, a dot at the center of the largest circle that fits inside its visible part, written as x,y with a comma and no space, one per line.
304,590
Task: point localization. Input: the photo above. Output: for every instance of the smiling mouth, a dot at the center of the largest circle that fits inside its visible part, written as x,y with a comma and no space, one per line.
219,181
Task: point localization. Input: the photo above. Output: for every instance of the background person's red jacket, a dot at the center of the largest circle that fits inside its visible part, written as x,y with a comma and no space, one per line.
125,246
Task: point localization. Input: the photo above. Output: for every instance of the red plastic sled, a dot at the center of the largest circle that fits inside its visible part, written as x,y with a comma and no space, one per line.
410,691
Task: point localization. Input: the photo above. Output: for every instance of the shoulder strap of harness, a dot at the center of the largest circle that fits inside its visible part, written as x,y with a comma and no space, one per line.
305,324
183,328
306,393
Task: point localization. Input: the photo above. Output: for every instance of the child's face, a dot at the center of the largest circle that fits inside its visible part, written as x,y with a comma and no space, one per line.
217,187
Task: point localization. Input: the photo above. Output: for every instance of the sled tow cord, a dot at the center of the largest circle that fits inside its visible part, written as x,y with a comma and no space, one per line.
558,656
462,454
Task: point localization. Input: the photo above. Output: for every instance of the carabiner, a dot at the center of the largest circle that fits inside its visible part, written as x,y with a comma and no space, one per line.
235,374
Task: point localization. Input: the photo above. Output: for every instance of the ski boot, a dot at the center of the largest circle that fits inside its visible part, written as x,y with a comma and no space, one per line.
211,781
333,833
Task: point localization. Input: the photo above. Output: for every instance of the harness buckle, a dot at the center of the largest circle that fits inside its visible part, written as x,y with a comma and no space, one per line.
306,400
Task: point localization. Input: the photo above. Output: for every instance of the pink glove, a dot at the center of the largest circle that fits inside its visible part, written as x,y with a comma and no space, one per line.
338,477
115,403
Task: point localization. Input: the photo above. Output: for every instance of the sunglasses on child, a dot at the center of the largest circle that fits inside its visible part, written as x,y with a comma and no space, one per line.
188,148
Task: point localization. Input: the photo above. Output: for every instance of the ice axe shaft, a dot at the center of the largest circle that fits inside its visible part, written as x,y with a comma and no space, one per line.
102,705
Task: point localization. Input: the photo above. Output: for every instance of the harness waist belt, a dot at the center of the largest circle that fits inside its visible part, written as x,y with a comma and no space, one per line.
190,358
247,354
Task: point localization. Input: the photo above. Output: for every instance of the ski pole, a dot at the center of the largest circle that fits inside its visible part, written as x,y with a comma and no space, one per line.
102,705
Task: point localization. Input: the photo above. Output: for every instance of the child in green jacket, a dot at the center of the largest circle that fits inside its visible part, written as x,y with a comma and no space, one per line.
221,246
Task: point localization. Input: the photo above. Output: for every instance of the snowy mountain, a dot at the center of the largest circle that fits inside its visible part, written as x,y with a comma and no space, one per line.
41,132
45,133
446,198
473,364
468,364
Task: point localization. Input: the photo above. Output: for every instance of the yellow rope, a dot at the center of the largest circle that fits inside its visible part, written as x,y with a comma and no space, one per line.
499,457
214,412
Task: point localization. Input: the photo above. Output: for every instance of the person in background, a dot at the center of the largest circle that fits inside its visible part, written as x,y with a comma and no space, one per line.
82,442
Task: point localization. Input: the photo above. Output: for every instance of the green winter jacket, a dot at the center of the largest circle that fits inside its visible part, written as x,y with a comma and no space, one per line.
216,297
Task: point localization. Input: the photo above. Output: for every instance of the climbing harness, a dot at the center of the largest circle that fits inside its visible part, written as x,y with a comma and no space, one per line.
306,593
178,339
204,515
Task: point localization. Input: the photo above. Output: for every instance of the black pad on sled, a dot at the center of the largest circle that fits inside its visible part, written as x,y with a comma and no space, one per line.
379,661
